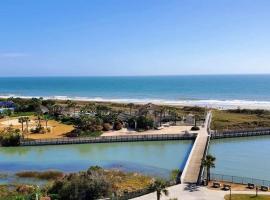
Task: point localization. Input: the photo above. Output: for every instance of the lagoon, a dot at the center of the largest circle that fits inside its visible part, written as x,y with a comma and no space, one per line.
245,157
155,158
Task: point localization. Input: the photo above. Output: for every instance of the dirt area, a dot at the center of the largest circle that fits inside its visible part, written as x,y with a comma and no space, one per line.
163,130
58,130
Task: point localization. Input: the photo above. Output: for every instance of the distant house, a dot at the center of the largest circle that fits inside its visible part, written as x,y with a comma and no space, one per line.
6,105
44,109
148,108
190,119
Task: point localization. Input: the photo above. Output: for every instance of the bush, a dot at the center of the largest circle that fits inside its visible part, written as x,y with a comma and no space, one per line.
38,129
131,122
88,185
10,137
144,123
117,125
107,127
74,133
195,128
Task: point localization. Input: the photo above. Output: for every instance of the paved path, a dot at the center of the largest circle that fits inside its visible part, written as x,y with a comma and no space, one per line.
193,192
192,168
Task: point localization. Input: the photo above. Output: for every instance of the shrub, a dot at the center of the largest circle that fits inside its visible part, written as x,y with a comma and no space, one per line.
74,133
195,128
131,122
10,137
144,123
88,185
38,129
107,127
117,125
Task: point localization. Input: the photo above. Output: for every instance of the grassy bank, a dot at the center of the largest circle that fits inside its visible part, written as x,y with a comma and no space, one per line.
233,120
247,197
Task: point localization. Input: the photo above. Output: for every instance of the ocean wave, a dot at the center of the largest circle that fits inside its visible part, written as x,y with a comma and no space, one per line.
219,104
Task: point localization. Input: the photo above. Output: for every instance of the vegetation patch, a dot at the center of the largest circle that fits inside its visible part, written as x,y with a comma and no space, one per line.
46,175
247,197
239,119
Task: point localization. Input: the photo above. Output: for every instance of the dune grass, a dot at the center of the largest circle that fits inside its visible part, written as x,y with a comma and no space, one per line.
247,197
226,120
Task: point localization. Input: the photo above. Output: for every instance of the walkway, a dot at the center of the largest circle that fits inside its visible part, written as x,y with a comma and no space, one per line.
193,192
192,168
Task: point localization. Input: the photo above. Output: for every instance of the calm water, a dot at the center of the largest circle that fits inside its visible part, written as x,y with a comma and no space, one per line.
151,158
247,157
226,87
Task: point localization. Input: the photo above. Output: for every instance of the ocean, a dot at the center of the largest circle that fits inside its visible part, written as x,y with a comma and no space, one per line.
219,91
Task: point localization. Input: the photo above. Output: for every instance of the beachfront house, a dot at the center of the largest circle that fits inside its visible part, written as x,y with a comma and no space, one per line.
190,119
6,105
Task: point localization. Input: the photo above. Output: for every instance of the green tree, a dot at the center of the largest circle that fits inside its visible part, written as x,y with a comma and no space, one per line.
160,187
21,120
208,163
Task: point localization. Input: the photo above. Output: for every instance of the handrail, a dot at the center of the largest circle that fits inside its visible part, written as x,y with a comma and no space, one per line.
106,139
239,133
238,179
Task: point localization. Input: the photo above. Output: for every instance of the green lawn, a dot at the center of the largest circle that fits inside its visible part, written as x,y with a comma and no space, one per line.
223,120
247,197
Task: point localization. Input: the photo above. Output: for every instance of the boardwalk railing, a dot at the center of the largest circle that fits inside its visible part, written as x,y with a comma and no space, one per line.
239,180
108,139
239,133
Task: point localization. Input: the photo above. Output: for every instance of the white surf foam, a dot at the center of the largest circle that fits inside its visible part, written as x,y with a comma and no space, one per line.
219,104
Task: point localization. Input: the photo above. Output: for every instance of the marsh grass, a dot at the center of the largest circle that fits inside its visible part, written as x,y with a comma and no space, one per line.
223,120
46,175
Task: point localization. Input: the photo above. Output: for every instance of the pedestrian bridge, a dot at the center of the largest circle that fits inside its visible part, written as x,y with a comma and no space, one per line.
192,170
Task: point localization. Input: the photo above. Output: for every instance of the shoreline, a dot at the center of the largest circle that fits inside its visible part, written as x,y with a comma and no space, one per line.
214,104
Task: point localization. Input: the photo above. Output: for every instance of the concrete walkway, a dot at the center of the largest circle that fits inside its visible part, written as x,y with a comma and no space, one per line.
192,168
193,192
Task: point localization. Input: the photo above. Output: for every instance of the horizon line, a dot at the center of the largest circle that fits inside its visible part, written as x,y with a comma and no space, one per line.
150,75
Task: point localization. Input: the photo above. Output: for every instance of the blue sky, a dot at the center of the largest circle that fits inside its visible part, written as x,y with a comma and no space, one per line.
134,37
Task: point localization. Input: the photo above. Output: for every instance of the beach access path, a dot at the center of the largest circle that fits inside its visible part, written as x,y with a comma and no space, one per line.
193,165
163,130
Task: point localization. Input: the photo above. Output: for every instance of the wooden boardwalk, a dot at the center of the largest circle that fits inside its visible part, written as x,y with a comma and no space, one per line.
192,168
108,139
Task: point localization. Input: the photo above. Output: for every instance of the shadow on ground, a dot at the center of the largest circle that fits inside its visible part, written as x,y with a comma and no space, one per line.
191,188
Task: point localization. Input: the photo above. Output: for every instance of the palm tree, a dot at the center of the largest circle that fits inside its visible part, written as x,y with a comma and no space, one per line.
209,162
160,187
21,120
27,120
197,118
130,105
174,114
161,113
46,119
72,104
